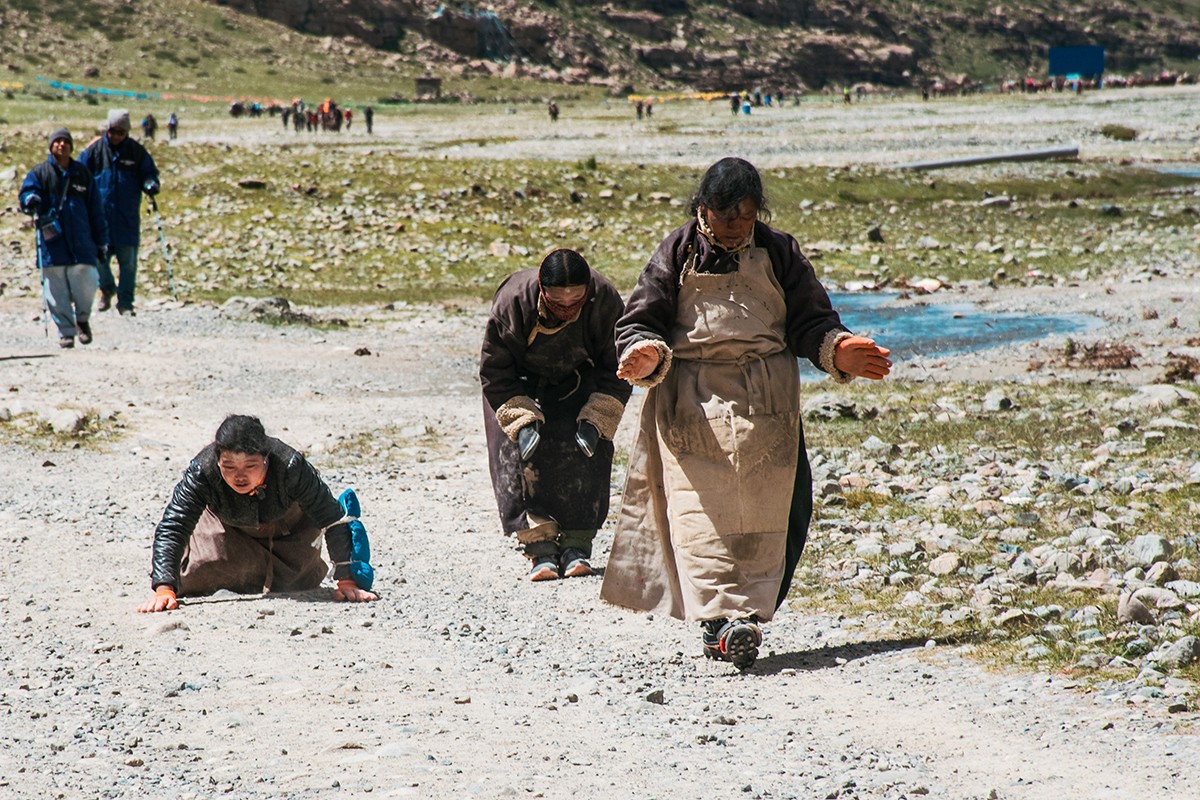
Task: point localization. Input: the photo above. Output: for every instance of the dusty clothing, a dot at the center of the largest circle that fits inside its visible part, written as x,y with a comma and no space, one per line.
533,365
279,556
261,541
718,496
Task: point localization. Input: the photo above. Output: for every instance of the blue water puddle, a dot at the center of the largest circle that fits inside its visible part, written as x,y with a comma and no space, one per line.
945,329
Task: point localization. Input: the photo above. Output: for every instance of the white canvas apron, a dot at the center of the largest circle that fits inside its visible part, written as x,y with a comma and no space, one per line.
702,530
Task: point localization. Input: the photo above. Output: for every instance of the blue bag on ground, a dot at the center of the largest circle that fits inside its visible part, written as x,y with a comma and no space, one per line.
360,549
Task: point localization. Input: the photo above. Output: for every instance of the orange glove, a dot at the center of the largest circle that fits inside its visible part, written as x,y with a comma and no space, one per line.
163,600
348,590
861,357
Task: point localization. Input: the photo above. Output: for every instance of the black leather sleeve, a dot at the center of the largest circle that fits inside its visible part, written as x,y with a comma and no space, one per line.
305,486
187,503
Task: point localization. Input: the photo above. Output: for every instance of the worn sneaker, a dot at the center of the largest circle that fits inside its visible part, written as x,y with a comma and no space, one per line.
575,564
545,568
106,298
85,332
66,342
710,637
734,640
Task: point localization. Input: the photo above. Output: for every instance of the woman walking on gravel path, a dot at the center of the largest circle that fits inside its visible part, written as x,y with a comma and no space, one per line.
246,517
552,402
719,493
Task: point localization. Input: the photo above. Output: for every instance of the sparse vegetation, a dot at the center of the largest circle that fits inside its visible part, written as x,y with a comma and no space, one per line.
60,429
942,434
1120,133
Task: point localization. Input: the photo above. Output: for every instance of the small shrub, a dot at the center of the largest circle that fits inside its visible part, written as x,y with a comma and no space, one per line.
1120,133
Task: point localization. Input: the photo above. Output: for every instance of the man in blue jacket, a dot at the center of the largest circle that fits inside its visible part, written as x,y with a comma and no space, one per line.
123,170
71,235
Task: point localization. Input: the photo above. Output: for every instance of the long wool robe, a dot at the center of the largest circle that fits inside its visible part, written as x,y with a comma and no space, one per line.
688,542
569,372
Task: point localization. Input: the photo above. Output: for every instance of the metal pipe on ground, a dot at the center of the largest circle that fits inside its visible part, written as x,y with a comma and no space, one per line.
1071,151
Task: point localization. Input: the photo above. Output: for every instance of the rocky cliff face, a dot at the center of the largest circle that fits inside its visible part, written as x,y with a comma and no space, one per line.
705,45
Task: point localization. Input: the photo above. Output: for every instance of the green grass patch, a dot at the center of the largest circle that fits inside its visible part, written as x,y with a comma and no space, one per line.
93,430
1120,133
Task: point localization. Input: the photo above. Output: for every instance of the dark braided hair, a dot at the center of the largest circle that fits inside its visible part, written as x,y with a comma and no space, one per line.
727,183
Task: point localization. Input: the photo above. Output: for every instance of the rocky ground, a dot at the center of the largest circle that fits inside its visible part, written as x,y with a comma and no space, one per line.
466,680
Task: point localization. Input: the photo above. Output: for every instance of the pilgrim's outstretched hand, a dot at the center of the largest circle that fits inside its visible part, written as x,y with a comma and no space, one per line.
163,600
348,591
639,362
862,358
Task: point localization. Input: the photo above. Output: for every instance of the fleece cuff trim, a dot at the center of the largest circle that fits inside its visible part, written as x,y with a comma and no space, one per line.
516,413
828,348
664,363
604,411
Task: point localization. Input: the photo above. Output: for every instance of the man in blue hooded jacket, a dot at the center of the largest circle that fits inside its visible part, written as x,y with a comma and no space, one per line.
71,234
123,171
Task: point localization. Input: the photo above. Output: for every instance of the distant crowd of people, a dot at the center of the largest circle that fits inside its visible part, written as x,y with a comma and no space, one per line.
325,116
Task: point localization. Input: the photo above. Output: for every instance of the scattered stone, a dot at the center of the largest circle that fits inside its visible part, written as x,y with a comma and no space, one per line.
1161,574
878,449
1156,397
875,234
945,564
1013,618
828,405
997,400
1182,653
657,697
252,183
1159,598
1188,589
1130,609
67,421
1149,549
1023,569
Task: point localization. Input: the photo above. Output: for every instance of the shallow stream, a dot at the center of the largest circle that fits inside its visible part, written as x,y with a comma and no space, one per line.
946,329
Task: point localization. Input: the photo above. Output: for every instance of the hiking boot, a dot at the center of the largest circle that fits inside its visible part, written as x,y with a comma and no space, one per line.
545,568
66,342
734,640
575,564
129,311
106,298
710,637
85,332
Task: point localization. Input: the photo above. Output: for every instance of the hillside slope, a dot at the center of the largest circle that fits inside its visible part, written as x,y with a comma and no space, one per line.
636,45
